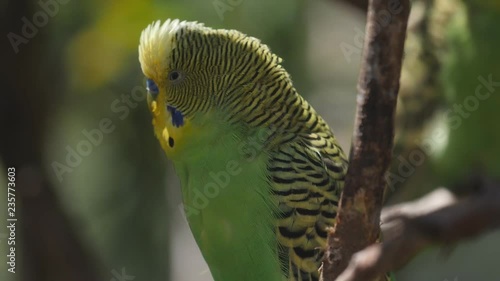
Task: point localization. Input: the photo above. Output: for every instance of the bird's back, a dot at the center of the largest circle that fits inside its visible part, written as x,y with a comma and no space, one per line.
307,170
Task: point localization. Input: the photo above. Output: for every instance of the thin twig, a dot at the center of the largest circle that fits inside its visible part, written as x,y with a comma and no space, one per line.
408,228
359,210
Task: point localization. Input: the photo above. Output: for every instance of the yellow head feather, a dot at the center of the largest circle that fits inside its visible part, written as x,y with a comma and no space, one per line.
156,44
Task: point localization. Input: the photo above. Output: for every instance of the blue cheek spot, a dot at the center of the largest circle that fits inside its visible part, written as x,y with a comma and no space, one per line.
177,117
152,87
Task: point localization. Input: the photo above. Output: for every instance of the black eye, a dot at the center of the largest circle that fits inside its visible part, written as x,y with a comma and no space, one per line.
174,76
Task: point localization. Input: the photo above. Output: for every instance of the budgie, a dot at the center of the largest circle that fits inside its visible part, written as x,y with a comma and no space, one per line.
261,172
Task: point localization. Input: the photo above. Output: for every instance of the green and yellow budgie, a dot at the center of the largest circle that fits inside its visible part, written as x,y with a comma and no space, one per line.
261,171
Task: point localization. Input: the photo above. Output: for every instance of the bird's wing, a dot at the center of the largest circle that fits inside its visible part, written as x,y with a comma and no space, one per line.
307,176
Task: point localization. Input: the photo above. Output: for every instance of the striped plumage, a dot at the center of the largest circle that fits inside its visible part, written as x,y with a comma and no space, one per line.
239,106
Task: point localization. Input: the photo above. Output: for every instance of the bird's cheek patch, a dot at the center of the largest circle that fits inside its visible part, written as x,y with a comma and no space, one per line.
177,116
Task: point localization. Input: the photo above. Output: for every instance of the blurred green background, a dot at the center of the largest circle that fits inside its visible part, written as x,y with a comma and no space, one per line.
95,205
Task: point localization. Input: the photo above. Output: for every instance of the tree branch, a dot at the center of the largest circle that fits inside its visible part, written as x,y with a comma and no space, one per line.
359,210
438,218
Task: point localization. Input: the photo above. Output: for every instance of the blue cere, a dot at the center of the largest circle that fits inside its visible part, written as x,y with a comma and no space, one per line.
177,117
152,88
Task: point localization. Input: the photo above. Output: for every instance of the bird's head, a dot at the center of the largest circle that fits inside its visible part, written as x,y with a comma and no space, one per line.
198,75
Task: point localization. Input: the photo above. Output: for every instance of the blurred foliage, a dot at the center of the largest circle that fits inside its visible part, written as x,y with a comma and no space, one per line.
446,131
471,78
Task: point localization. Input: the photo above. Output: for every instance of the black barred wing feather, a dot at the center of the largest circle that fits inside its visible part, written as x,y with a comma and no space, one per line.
307,176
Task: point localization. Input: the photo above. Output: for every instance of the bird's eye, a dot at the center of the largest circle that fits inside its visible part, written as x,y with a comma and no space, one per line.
174,76
152,87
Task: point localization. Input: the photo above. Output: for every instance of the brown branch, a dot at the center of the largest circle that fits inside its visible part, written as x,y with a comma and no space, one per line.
359,210
408,228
